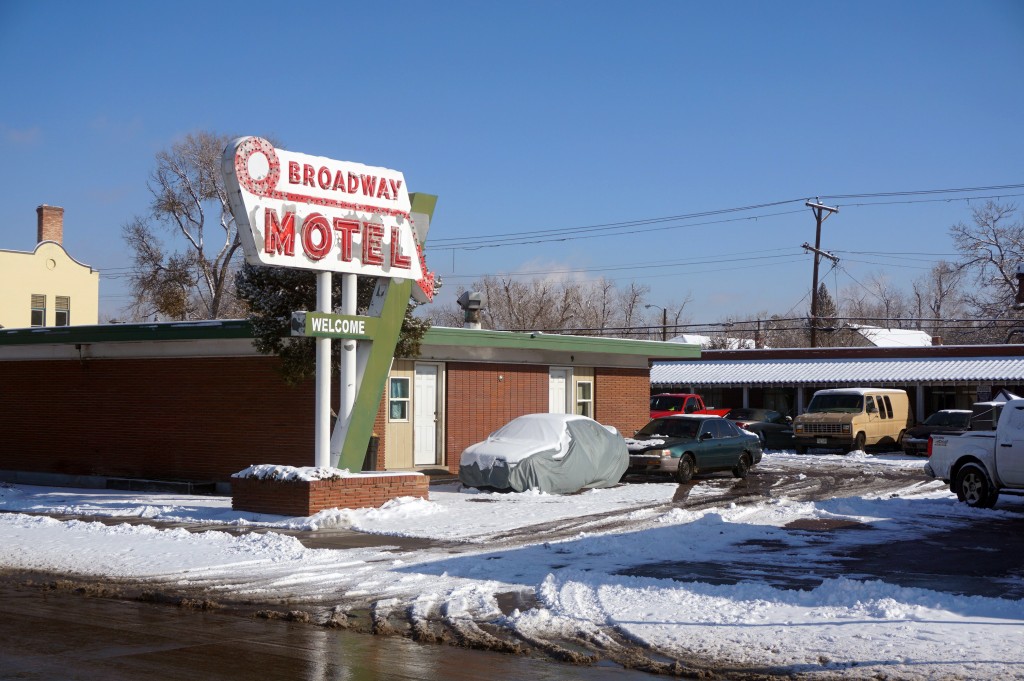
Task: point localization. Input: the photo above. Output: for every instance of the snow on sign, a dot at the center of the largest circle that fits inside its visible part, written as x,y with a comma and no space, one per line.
309,212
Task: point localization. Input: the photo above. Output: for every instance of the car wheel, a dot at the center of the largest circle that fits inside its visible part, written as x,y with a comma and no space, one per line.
742,466
686,469
800,449
858,442
973,487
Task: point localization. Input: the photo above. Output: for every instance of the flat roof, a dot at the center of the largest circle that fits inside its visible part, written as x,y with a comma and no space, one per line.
440,343
822,371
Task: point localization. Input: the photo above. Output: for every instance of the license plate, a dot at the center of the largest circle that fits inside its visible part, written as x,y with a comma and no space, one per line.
822,441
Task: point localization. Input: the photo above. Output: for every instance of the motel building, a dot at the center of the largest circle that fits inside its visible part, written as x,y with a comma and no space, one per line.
194,402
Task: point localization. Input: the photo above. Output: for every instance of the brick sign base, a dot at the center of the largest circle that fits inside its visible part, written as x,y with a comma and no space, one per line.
304,498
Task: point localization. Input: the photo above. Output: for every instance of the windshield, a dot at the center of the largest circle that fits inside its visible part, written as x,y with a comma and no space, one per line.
670,427
666,403
836,403
946,419
747,415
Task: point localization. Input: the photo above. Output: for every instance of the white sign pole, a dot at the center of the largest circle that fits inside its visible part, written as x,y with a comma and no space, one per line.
322,421
347,390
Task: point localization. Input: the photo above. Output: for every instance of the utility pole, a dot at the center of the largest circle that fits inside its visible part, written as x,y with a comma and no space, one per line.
821,213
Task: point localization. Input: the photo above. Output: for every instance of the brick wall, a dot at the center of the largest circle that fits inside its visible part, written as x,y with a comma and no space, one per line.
622,398
479,403
304,498
202,419
198,419
483,397
379,427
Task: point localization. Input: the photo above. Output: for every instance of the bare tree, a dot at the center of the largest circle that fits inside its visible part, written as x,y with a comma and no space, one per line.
565,306
189,202
937,296
877,303
990,251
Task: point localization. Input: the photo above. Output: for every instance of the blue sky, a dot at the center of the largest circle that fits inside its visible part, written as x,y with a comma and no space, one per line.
526,116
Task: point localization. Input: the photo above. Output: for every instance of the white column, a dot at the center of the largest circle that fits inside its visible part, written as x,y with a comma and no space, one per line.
347,389
323,377
746,396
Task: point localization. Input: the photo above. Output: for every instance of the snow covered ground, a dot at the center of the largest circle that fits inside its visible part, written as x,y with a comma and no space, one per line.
845,626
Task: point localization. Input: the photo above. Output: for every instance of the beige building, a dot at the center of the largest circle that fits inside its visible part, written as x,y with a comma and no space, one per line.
47,287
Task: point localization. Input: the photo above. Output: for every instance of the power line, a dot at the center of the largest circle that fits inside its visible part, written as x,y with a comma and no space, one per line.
624,227
521,242
648,264
618,225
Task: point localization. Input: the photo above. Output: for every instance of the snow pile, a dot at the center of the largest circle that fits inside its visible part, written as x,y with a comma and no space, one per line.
291,473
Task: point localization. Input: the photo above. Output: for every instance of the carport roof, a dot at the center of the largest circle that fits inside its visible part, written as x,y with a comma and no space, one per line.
839,371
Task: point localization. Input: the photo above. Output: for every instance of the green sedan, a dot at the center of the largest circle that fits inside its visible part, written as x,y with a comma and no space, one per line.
686,445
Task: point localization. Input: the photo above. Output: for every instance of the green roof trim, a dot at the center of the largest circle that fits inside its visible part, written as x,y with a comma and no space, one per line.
124,333
437,335
548,341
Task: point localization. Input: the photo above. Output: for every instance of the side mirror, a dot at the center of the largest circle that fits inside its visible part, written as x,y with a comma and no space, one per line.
704,436
789,419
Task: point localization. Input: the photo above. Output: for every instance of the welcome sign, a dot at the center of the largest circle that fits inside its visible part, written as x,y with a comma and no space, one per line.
309,212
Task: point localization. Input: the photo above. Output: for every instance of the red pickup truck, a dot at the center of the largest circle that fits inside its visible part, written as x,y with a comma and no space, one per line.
668,404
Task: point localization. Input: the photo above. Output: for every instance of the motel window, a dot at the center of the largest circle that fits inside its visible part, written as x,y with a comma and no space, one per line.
585,398
62,306
398,399
38,309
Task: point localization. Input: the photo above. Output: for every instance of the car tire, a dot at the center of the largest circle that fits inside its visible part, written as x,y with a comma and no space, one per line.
973,487
858,442
800,449
742,466
687,467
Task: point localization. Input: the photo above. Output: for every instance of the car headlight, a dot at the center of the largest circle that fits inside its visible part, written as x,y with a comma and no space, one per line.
846,427
664,453
798,428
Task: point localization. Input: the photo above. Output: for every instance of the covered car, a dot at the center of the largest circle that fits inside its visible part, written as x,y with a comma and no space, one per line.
554,453
942,422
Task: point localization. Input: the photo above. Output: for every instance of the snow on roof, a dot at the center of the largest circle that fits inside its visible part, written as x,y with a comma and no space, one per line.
705,341
893,338
836,371
690,339
858,391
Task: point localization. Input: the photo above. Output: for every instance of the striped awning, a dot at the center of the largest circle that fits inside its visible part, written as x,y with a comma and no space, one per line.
1006,370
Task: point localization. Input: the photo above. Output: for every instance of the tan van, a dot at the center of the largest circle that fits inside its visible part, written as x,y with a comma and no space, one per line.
853,418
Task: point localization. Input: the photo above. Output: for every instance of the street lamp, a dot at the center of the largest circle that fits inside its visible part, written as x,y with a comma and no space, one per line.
664,320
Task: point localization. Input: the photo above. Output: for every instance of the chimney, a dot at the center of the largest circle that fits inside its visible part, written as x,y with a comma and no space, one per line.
50,223
936,340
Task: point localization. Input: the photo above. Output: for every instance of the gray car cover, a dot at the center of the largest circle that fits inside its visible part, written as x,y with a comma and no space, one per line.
595,457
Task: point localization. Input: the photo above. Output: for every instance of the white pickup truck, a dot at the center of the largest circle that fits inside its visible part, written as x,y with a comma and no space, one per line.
979,465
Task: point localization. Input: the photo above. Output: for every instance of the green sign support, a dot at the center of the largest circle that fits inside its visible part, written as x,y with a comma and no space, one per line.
390,300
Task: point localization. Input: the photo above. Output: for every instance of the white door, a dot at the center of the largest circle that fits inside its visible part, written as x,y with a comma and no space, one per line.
1010,446
425,415
558,389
